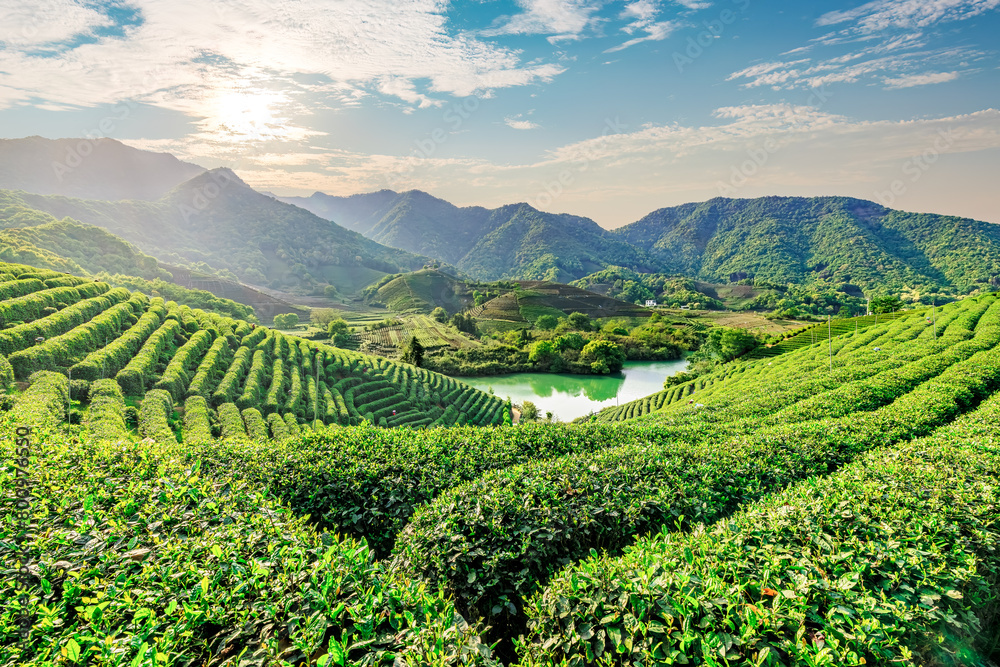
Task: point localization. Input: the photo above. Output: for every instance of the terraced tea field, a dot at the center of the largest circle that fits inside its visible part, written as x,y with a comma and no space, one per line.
792,514
217,372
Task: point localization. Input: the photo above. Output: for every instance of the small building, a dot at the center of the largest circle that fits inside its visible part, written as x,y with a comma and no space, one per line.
650,303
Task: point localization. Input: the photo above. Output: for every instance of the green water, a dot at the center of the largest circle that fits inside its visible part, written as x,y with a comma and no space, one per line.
571,396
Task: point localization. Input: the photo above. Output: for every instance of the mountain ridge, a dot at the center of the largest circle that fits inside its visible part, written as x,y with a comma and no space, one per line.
100,168
510,241
216,222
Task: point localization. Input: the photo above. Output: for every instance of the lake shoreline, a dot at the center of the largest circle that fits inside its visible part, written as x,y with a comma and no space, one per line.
569,396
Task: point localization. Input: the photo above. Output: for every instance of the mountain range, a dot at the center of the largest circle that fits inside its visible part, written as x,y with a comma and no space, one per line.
513,241
833,241
213,222
89,169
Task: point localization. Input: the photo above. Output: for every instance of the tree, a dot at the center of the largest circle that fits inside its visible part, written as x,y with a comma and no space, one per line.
464,323
440,314
529,411
322,317
604,351
339,332
615,328
634,292
286,321
726,344
579,321
886,304
543,353
413,353
546,322
570,341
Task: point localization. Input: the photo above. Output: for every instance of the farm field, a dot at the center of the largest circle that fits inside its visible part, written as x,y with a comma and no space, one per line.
539,298
754,322
205,371
779,511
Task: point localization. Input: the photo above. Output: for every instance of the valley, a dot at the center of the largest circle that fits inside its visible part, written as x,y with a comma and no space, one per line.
311,432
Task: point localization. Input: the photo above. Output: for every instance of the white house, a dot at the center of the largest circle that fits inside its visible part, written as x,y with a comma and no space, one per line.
650,303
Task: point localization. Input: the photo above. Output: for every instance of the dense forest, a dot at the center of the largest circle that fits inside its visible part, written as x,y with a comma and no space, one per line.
839,242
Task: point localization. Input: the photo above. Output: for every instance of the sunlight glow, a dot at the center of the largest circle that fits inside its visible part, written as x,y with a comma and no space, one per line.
247,115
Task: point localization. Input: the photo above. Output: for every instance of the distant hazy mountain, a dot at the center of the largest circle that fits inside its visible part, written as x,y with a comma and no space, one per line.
359,213
218,222
89,169
514,241
835,239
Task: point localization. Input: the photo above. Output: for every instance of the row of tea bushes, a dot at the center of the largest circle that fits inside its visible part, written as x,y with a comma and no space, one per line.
892,560
492,542
137,558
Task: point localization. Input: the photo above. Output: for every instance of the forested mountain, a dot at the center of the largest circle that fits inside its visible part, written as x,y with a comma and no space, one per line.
89,168
513,241
835,240
218,223
214,222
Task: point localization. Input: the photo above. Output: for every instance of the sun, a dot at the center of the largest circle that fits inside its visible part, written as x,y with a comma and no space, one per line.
248,115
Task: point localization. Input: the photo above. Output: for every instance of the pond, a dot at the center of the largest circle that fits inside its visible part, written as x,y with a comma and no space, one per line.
571,396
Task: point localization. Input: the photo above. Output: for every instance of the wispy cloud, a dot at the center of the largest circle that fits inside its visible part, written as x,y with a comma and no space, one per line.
919,80
694,4
637,164
560,19
880,15
642,10
891,42
520,123
186,51
40,23
654,32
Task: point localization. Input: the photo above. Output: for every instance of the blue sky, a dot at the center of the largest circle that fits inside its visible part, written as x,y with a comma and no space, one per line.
603,109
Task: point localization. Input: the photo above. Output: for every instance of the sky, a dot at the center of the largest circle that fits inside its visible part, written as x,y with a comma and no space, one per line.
604,109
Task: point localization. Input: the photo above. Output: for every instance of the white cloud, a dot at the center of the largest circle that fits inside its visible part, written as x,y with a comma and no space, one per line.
655,32
897,47
520,124
694,4
186,51
643,10
883,14
620,177
919,80
38,23
562,19
875,64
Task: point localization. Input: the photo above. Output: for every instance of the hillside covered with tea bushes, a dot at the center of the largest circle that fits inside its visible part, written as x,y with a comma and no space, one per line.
208,374
833,505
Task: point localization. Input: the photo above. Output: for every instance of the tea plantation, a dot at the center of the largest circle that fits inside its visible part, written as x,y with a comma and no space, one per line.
218,494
